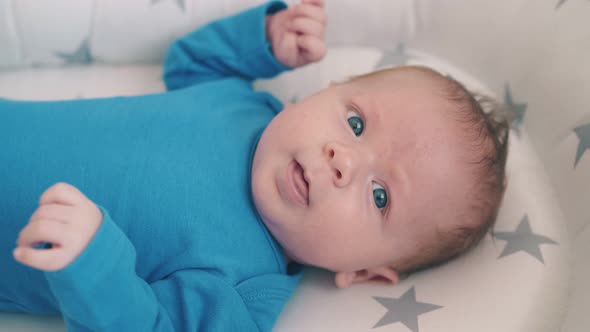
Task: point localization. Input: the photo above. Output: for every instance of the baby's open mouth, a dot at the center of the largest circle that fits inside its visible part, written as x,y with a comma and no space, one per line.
301,185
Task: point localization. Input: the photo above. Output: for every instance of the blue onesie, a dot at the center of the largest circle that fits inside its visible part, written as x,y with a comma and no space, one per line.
181,246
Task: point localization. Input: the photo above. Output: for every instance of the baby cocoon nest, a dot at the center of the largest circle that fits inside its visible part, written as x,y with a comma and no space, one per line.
194,209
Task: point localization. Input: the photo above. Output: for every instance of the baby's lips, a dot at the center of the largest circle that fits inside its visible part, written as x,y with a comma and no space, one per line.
301,182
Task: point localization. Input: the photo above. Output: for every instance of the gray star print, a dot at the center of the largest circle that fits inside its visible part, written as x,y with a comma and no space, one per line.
583,133
180,3
405,310
523,239
398,57
517,110
80,56
561,2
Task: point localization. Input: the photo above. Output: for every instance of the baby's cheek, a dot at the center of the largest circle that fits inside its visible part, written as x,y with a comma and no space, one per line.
345,228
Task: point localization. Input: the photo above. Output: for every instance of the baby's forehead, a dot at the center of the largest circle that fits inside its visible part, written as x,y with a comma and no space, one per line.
398,93
403,100
408,76
409,105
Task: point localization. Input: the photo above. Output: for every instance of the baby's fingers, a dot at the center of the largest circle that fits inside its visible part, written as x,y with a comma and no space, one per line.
62,193
319,3
43,230
47,259
315,13
308,26
313,48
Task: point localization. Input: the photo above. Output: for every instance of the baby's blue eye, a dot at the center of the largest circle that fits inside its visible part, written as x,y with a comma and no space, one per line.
379,196
355,122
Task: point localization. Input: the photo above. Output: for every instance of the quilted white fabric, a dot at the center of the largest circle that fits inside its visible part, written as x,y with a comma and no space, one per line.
531,54
10,51
534,54
60,32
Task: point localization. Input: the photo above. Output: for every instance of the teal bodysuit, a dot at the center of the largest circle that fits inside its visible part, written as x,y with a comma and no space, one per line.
181,246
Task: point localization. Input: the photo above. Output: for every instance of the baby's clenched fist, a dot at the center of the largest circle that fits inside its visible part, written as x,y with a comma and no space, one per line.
297,34
67,220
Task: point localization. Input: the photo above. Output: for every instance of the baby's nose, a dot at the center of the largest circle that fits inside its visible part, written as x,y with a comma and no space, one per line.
342,163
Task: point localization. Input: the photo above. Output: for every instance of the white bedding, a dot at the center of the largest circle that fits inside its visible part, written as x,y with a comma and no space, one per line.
481,291
532,55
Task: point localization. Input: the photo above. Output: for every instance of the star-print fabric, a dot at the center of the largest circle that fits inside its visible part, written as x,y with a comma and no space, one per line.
531,55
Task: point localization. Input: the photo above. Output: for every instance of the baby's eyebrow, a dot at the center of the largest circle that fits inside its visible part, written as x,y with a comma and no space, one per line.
373,117
400,186
371,110
396,178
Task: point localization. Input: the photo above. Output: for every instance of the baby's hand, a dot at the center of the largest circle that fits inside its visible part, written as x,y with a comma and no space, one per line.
67,220
297,33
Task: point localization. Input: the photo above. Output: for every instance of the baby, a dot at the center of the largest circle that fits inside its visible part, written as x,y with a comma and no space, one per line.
194,209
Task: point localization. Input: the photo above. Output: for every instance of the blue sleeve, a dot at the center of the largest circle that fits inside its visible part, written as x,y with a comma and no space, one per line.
100,291
235,46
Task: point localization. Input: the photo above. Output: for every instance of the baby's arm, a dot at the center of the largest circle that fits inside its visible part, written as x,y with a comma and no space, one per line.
258,43
90,269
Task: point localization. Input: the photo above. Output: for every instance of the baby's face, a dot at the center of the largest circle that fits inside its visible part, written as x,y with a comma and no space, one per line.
355,176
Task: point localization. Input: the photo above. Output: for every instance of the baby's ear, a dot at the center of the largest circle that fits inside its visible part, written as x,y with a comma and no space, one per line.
387,273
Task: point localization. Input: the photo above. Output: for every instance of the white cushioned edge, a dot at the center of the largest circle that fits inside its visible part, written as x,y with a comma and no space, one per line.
33,32
48,28
10,54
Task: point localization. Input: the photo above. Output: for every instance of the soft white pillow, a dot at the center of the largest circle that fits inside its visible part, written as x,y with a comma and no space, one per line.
150,27
35,32
344,62
111,31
